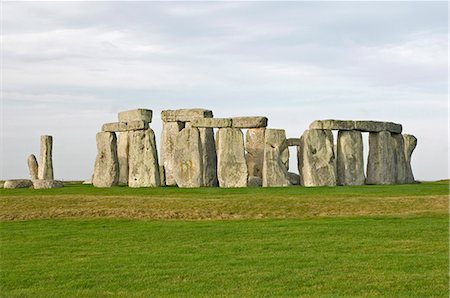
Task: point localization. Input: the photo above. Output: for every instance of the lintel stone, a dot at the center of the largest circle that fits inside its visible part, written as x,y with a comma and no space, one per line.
293,142
249,122
333,124
211,122
185,115
137,114
125,126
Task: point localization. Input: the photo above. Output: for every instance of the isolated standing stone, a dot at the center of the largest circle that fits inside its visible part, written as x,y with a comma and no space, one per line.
143,164
33,167
350,158
168,138
316,159
46,163
254,146
209,157
381,167
188,156
106,169
398,144
231,164
276,156
410,143
122,154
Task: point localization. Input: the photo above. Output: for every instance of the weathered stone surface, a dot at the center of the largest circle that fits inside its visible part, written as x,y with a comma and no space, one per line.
18,183
125,126
254,146
381,168
377,126
398,144
46,163
46,184
211,122
350,158
293,142
33,167
294,179
185,115
188,158
410,143
254,181
162,175
333,124
123,146
137,114
209,157
168,138
143,167
316,159
276,158
106,168
231,164
249,122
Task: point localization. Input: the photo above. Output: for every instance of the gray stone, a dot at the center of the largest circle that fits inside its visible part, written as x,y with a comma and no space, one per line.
316,159
254,146
137,114
294,179
185,115
209,157
123,146
381,168
378,126
168,138
293,142
18,183
33,166
46,163
332,124
47,184
106,169
87,182
143,167
231,165
254,181
350,158
398,144
162,175
125,126
410,143
276,158
249,122
211,122
188,158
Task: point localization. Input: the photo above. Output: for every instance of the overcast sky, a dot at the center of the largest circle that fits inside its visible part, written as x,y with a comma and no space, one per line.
69,67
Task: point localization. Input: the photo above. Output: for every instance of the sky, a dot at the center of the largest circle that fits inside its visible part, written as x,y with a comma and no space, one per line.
69,67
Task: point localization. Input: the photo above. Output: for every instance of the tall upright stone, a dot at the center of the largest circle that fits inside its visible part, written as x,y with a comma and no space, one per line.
33,167
168,138
143,168
46,163
209,157
401,169
350,158
231,165
254,146
410,143
275,171
123,146
106,168
381,167
188,158
316,158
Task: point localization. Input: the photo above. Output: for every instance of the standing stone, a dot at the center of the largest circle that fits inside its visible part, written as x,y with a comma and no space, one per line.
231,165
122,154
254,146
33,167
294,178
46,163
168,139
106,169
410,143
143,168
398,144
316,159
381,162
275,171
349,158
209,157
188,157
162,175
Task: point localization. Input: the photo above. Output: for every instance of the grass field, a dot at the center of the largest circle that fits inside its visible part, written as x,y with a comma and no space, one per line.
79,241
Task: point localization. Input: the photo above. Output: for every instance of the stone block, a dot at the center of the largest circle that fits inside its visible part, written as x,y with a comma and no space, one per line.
185,115
276,158
377,126
188,158
249,122
211,122
106,168
136,115
125,126
47,184
169,134
350,158
254,146
410,143
293,142
17,183
332,124
33,167
45,170
381,166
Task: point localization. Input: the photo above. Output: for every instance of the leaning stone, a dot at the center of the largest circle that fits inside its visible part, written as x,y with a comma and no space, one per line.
294,178
249,122
46,184
350,158
185,115
254,146
316,159
209,157
410,143
293,142
123,146
188,158
398,143
332,124
18,183
168,138
33,167
381,168
231,164
254,181
125,126
46,163
137,114
211,122
276,157
106,169
377,126
143,167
